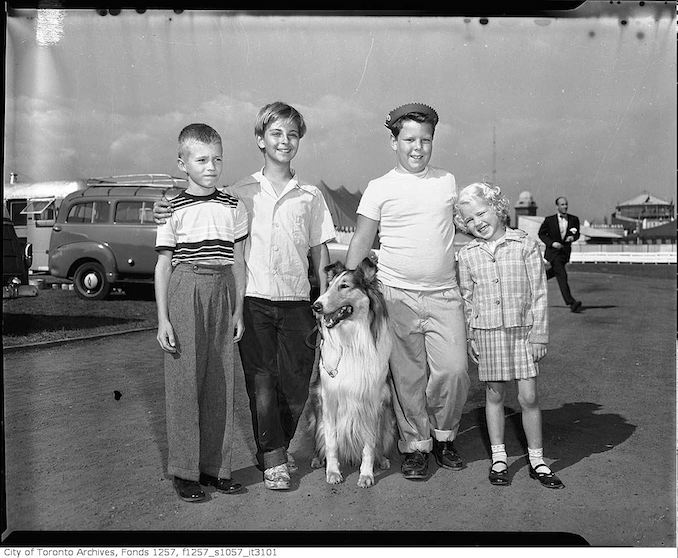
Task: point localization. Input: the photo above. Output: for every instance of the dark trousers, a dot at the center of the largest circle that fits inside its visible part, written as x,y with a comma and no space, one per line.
559,272
277,363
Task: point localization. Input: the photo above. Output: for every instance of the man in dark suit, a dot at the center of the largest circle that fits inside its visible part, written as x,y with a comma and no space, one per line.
558,232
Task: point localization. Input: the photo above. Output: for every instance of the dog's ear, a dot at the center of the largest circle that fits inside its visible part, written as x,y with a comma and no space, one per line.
367,272
334,269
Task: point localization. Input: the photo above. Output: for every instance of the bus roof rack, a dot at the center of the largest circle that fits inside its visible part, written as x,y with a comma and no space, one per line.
159,180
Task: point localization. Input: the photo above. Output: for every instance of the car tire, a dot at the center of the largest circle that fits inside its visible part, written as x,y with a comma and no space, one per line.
90,281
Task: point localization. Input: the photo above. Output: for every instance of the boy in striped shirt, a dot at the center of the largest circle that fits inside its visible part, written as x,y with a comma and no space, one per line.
199,279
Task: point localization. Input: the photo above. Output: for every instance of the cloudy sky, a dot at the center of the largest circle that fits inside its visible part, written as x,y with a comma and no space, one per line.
583,105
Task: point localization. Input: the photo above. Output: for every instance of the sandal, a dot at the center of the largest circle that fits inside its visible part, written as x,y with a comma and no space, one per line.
549,480
277,478
499,478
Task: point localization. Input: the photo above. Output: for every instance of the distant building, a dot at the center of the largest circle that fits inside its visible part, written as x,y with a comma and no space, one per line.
525,206
645,211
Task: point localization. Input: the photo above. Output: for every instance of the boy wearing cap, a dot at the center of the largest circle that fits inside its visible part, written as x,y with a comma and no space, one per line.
412,207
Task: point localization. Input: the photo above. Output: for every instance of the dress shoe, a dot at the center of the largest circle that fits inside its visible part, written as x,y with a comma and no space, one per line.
415,465
499,478
549,480
189,491
446,456
227,486
576,306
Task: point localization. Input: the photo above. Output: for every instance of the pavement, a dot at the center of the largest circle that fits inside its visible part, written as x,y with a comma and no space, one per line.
85,449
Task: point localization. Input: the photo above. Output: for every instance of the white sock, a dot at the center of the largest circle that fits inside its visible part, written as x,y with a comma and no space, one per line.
499,454
537,458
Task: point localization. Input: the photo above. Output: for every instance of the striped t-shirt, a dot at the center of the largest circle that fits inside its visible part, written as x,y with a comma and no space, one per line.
203,228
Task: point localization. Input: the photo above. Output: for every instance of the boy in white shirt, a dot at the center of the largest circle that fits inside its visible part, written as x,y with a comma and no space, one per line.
412,207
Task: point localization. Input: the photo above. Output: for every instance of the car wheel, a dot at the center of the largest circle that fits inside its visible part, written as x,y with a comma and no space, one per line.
90,281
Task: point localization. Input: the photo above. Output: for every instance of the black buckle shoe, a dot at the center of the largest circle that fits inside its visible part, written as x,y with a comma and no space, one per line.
227,486
499,478
446,456
189,491
415,465
549,480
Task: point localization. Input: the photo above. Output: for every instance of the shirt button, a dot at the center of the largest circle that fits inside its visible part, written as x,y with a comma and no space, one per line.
493,260
497,301
275,248
496,280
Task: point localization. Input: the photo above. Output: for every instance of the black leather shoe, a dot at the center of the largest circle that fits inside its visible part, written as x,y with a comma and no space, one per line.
189,491
499,478
549,480
446,456
227,486
415,465
576,306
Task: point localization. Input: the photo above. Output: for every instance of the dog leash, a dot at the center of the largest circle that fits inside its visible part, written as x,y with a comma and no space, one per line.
319,340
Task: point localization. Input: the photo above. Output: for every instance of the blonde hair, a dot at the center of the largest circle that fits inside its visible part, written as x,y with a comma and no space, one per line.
275,111
486,192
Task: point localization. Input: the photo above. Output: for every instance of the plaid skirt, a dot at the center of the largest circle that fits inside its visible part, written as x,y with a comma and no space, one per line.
504,354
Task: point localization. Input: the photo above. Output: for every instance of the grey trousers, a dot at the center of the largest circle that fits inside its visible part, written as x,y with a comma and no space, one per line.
429,368
199,377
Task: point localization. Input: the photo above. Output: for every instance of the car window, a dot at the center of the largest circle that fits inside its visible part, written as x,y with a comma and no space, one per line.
43,211
134,212
15,208
88,212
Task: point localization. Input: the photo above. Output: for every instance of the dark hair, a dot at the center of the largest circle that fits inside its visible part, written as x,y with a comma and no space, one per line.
275,111
560,197
397,126
197,132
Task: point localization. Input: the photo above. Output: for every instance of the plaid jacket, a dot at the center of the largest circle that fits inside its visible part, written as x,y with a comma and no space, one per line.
507,288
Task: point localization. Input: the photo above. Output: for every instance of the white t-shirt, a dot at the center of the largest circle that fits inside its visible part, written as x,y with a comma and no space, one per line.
416,228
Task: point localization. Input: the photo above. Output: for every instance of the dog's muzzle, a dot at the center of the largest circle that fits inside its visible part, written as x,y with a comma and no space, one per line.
333,318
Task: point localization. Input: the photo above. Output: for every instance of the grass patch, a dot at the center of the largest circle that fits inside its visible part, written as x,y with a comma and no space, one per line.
58,315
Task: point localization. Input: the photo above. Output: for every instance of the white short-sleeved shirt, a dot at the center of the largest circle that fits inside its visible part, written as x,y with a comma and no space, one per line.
282,230
416,229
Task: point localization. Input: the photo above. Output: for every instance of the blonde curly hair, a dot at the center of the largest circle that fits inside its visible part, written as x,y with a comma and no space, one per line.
486,192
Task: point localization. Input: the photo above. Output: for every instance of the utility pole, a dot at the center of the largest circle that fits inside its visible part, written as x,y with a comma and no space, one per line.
494,153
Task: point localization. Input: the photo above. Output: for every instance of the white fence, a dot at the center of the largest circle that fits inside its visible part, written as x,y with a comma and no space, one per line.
623,257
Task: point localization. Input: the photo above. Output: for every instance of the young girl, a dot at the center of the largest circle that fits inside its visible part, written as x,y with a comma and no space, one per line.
503,284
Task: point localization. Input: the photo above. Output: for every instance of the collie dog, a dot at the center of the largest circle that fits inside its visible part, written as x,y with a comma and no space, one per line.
349,398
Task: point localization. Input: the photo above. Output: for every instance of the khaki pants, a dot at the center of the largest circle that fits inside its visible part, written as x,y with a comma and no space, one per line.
429,368
199,377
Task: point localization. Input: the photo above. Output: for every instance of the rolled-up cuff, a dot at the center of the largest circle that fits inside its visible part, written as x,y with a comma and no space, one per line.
422,445
443,435
274,458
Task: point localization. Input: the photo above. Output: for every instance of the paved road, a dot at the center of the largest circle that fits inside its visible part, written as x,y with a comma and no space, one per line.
78,459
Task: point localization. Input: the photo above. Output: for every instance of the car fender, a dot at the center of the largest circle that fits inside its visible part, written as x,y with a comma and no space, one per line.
64,260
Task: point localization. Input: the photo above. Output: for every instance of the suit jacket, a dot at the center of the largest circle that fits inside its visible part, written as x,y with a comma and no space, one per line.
549,232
